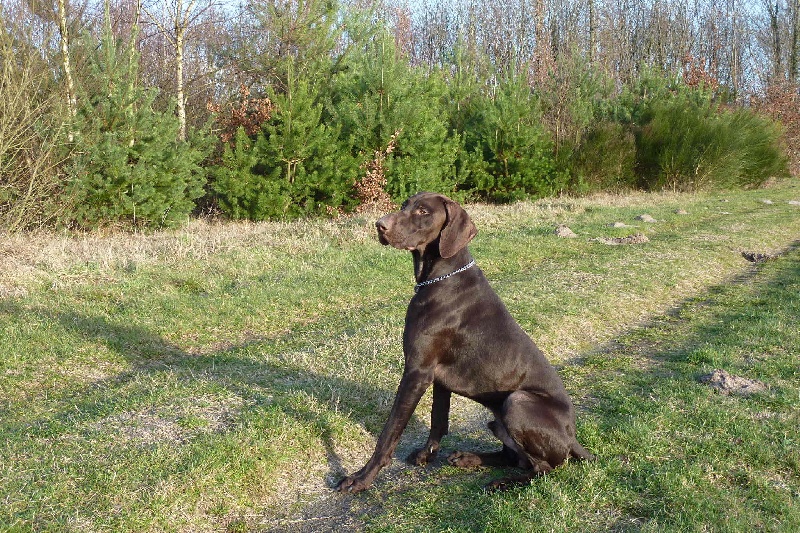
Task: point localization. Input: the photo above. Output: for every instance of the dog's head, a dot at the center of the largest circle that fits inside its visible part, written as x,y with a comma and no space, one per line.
424,219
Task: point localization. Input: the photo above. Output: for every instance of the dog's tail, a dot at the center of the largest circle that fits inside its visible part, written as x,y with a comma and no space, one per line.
579,452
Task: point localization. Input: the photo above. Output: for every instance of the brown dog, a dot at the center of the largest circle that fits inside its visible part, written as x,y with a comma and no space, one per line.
461,338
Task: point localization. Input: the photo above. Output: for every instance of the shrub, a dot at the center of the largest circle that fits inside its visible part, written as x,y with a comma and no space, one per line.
127,166
606,160
781,103
30,121
689,143
507,154
756,140
379,99
294,166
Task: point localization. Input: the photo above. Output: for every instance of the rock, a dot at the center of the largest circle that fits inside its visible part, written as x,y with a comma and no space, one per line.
646,218
564,231
725,383
768,202
620,225
681,212
636,238
794,202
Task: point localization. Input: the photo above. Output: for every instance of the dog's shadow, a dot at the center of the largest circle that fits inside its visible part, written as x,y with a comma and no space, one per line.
250,370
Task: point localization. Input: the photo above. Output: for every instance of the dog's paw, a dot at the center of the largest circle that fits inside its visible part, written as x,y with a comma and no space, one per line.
498,485
352,484
464,459
422,456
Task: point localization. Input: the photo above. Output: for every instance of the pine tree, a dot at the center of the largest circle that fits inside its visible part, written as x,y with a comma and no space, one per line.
380,99
127,167
509,154
295,166
283,41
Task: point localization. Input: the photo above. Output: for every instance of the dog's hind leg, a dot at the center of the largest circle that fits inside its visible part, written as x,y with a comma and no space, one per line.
579,452
511,454
541,426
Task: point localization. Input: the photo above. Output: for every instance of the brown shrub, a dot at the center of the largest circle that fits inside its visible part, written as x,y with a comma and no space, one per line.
248,113
371,189
781,102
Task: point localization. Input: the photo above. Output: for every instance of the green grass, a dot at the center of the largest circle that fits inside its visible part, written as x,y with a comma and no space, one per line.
223,376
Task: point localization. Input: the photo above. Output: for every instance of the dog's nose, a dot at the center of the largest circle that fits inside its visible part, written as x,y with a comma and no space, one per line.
381,224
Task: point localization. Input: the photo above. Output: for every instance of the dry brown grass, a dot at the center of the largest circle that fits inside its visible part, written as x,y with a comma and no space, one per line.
48,256
45,253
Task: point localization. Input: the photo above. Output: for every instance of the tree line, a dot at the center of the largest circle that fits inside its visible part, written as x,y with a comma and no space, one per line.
140,113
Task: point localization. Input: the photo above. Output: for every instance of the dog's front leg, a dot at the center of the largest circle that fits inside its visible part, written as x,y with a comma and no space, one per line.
440,415
412,386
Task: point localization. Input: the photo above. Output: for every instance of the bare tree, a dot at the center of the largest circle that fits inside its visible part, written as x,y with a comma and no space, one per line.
592,30
71,99
774,13
795,42
174,19
30,130
435,30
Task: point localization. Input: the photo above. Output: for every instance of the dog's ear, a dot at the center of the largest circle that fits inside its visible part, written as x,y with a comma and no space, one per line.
458,230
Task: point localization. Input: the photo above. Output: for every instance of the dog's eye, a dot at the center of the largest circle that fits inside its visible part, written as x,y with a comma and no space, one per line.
421,211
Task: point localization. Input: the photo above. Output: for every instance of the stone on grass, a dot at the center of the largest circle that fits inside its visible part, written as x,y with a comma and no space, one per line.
646,218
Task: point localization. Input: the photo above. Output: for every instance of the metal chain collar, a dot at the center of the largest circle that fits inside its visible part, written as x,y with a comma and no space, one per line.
418,286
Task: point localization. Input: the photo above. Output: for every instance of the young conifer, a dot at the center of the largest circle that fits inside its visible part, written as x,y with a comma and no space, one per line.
127,166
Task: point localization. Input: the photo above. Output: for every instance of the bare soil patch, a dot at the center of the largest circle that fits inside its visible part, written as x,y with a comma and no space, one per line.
564,231
727,384
172,423
636,238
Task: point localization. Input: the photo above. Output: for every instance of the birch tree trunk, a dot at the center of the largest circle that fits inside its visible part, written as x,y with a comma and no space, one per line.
174,30
795,38
70,84
592,32
180,32
132,59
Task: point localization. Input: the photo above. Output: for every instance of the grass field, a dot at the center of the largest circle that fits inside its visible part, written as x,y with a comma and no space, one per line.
224,376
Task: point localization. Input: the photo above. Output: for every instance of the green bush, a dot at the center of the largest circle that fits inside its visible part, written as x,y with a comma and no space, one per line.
295,166
606,160
689,143
379,99
756,140
465,132
507,154
126,165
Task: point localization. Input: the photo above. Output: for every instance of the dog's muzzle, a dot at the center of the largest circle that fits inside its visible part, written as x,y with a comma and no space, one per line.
382,227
